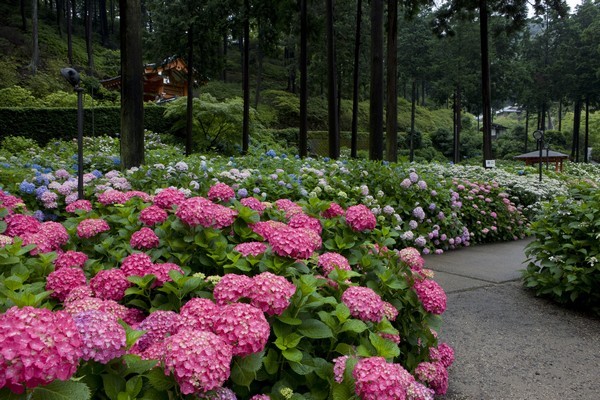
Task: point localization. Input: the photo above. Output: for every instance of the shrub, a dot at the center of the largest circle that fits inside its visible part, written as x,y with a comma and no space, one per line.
563,259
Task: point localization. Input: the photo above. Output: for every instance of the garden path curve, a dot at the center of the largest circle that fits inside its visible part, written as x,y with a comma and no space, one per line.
510,345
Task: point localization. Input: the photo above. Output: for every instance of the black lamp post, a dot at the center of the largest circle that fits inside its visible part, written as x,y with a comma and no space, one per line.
72,76
539,136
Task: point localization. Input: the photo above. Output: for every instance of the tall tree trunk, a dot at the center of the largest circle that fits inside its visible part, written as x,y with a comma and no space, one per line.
303,134
69,10
112,16
543,117
89,36
355,81
224,55
189,141
376,95
586,138
560,105
423,92
103,22
334,132
23,16
576,124
59,15
392,84
413,104
35,57
259,56
246,79
458,124
526,129
132,89
485,82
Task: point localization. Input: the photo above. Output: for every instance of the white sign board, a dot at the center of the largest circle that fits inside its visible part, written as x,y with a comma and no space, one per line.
490,163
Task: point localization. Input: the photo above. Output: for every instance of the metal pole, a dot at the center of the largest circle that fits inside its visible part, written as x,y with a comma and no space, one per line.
547,156
79,91
540,144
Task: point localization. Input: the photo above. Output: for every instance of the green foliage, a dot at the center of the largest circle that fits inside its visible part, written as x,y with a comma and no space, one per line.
16,96
564,259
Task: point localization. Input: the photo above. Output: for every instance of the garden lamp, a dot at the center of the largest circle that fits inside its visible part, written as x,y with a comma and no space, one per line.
539,136
72,76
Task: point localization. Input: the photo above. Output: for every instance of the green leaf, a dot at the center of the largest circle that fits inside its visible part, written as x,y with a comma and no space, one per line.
251,362
61,390
315,329
385,348
342,312
9,260
290,320
294,355
134,386
341,391
135,364
6,394
159,380
113,385
243,369
354,325
271,362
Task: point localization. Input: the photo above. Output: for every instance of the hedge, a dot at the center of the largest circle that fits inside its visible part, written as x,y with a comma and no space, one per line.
45,124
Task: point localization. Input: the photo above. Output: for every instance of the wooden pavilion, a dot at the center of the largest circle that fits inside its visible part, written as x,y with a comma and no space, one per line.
548,156
161,82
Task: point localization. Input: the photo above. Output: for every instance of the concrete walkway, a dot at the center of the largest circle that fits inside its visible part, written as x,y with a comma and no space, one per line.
510,345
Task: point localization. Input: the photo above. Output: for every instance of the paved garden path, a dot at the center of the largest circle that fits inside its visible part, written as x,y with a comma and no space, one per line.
510,345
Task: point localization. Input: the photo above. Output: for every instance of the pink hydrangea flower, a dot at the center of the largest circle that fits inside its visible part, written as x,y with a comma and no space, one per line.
84,205
110,284
289,207
138,264
200,211
78,293
231,288
298,243
4,240
111,197
266,228
55,233
391,337
389,311
103,336
412,257
223,217
418,391
339,367
431,295
169,197
199,360
37,346
334,210
198,314
360,218
10,202
260,397
243,326
251,248
376,379
442,353
144,239
158,325
153,215
221,393
220,192
301,220
254,204
161,271
145,197
70,258
434,374
42,243
330,261
91,227
271,293
364,303
63,280
19,224
83,304
133,317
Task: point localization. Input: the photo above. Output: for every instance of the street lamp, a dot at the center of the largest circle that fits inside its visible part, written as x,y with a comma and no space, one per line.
72,76
539,136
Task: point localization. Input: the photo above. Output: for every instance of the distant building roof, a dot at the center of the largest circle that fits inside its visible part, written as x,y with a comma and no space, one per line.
536,154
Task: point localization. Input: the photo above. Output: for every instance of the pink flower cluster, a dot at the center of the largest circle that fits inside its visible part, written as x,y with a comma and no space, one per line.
197,314
330,261
360,218
376,379
389,311
111,197
158,326
103,336
10,202
251,248
63,280
91,227
84,205
138,264
169,197
339,367
443,353
268,292
297,243
334,210
153,215
243,326
37,346
70,258
220,192
434,374
19,224
144,239
199,360
200,211
253,204
289,207
431,295
266,228
417,391
364,303
110,284
412,257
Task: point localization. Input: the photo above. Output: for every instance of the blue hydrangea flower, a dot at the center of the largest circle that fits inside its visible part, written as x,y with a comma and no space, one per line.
242,192
27,187
39,215
40,191
97,173
271,153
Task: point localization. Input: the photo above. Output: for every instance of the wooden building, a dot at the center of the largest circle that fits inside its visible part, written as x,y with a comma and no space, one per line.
548,157
161,82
